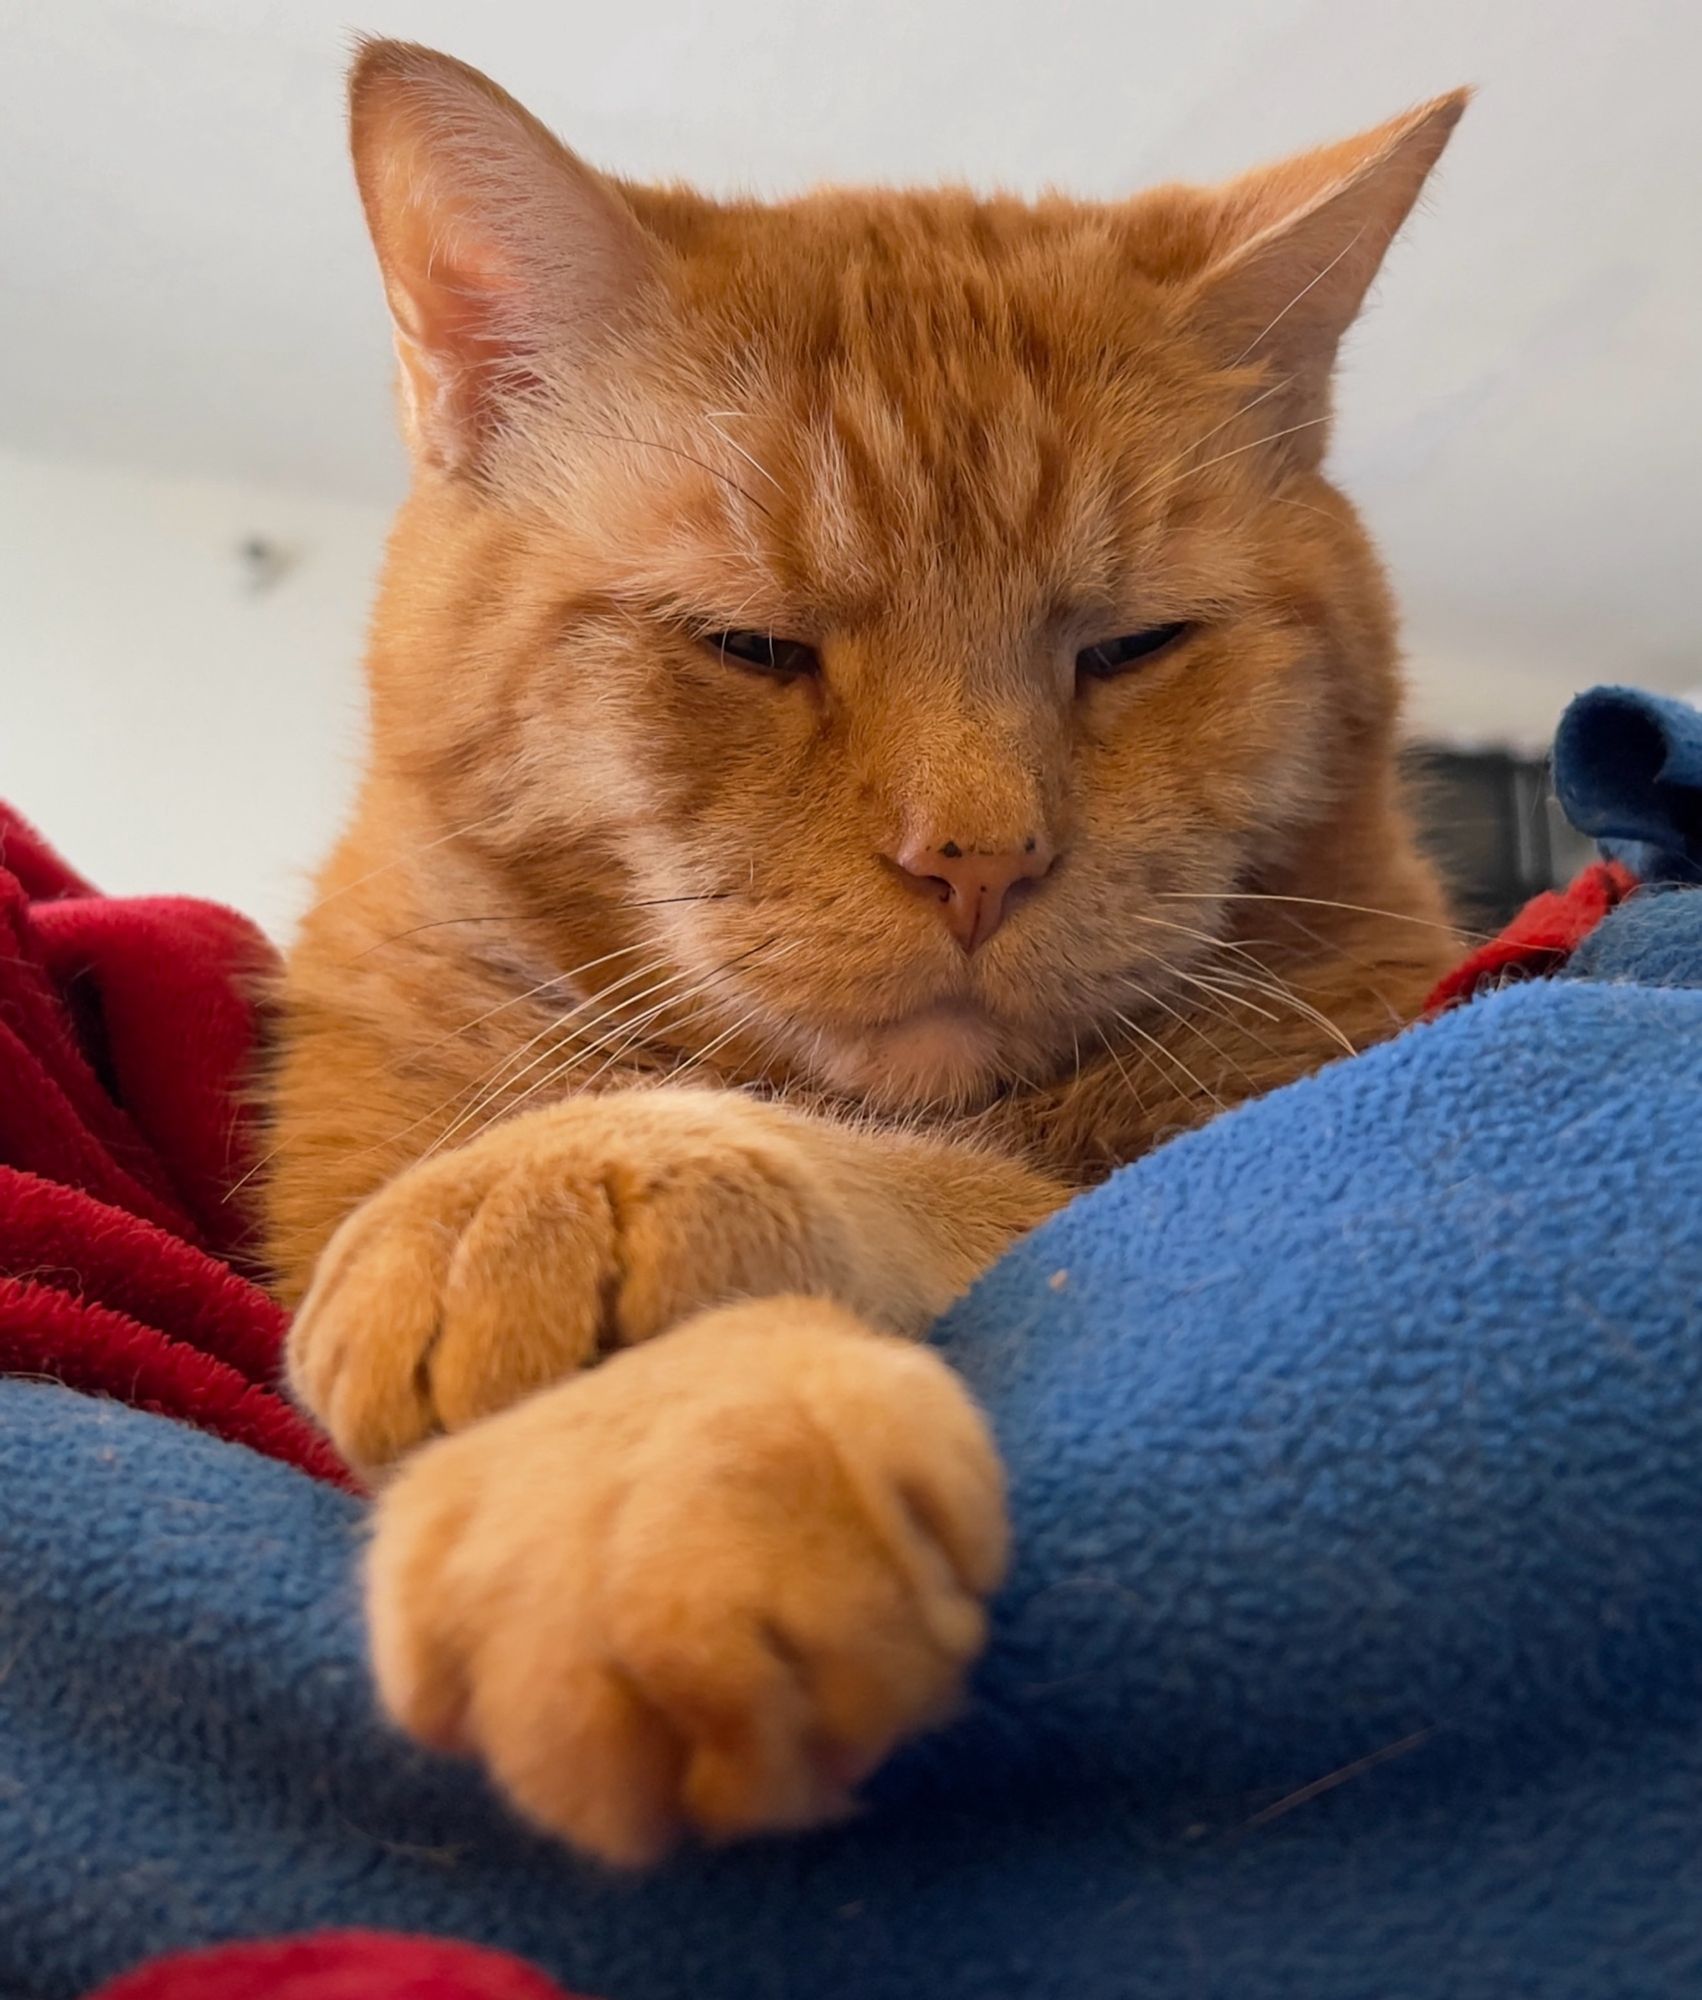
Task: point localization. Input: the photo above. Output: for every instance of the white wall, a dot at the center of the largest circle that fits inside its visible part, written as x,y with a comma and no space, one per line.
168,727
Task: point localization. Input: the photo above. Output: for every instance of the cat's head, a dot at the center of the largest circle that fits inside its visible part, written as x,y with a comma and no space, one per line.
895,620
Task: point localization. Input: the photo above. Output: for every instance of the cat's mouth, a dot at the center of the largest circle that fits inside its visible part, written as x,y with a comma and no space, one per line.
944,1053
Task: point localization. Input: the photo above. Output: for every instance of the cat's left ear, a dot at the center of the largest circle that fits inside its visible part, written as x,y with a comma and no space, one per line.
1296,247
505,258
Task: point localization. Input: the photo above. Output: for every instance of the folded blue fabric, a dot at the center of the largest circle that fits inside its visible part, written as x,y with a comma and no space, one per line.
1628,769
1354,1646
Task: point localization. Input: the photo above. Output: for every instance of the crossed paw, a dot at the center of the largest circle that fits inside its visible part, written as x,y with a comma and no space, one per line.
494,1270
707,1584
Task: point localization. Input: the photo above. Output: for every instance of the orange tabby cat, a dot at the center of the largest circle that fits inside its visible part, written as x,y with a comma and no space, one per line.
877,717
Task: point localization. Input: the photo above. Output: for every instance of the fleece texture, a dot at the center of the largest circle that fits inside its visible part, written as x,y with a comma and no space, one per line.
1655,939
1353,1648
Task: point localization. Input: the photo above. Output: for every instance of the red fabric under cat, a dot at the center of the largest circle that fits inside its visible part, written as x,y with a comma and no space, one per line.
125,1031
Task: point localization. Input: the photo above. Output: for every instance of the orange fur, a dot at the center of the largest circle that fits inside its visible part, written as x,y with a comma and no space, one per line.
948,443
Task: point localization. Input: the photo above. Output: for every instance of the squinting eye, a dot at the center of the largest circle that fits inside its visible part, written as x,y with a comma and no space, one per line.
1121,656
788,658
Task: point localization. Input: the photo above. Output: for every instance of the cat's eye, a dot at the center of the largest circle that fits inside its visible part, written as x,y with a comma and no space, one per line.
788,659
1130,650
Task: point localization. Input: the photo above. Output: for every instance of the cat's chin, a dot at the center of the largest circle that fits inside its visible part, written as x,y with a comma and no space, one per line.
943,1055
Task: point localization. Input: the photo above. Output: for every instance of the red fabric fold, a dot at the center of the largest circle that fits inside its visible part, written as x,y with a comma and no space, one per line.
1541,937
127,1028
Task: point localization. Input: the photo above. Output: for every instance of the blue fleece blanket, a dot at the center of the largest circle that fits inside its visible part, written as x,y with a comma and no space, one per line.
1353,1652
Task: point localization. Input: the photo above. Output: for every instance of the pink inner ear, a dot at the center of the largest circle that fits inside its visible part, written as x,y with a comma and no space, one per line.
468,305
495,242
462,323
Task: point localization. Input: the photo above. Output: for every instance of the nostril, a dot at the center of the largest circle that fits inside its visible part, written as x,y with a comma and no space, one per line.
912,871
1025,886
924,867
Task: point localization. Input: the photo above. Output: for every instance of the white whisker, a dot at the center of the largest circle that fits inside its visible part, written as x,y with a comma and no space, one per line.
1158,1048
1270,325
1323,903
710,417
1157,479
503,1075
401,861
1194,1028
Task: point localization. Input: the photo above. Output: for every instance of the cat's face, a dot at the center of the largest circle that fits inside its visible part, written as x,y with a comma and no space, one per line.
895,621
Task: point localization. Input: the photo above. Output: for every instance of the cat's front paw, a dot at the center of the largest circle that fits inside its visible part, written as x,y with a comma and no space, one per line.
480,1276
707,1587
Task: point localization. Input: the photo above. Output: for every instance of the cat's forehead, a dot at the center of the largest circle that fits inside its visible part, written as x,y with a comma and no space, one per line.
929,369
899,396
933,298
976,422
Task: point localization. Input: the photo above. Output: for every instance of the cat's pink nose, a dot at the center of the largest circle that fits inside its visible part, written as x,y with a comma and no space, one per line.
975,887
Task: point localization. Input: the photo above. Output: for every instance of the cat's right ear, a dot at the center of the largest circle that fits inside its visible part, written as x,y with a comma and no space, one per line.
506,260
1297,247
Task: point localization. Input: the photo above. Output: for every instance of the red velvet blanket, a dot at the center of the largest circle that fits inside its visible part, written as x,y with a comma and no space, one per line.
127,1026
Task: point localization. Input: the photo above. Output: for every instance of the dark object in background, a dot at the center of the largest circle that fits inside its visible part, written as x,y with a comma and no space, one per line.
1491,823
